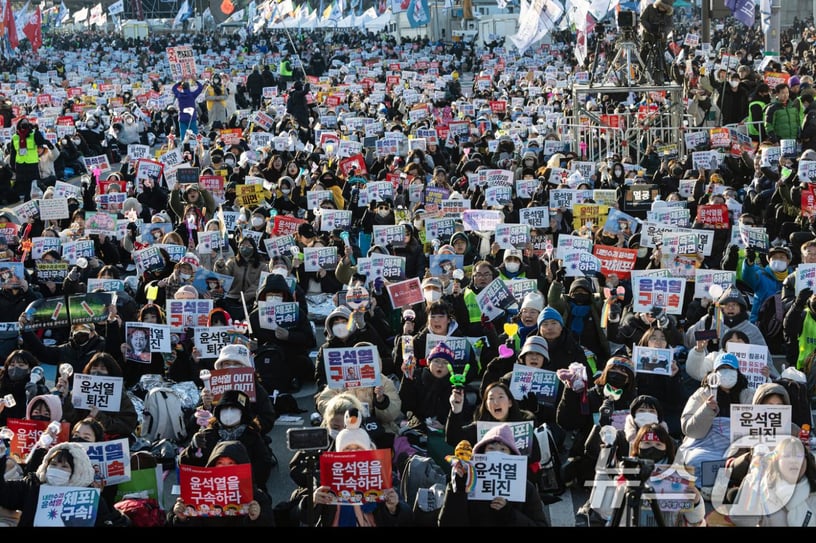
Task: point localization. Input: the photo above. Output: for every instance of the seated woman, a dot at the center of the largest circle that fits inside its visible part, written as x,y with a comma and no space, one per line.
117,424
458,510
706,418
15,380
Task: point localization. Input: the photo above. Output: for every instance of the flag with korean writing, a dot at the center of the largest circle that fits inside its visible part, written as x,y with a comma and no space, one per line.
101,391
66,506
271,315
543,383
760,424
663,292
228,488
351,367
110,460
356,477
495,298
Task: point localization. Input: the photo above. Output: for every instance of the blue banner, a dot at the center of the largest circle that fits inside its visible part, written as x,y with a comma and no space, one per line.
743,11
418,13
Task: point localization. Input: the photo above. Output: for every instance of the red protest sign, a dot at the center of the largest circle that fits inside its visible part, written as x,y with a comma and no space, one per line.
356,163
356,477
405,293
713,215
27,432
617,260
216,491
286,225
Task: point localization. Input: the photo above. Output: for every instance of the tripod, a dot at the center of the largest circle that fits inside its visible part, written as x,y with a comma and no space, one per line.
631,506
310,463
627,54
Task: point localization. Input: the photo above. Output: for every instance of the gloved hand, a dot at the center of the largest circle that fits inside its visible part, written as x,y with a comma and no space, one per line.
802,297
750,254
606,412
529,402
486,322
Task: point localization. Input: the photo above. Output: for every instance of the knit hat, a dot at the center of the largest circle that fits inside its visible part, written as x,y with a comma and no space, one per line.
727,359
793,81
340,311
513,253
622,362
533,300
732,294
442,351
131,203
550,313
186,292
535,344
766,389
431,282
352,434
501,433
236,353
580,282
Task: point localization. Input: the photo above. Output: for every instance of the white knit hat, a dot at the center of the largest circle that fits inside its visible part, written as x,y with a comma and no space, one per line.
533,300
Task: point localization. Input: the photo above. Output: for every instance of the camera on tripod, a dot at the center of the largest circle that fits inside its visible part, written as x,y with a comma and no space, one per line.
627,24
636,469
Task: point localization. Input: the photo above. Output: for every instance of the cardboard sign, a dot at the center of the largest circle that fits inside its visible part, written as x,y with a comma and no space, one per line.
216,491
101,391
356,477
405,293
350,367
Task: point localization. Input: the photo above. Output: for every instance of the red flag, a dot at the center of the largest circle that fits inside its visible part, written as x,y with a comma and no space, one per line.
33,29
8,20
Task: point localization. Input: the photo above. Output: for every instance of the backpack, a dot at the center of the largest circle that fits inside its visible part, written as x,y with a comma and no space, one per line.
422,472
799,400
163,416
142,512
770,317
551,478
274,371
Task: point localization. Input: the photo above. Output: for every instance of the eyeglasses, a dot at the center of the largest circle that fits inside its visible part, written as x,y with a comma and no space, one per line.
483,274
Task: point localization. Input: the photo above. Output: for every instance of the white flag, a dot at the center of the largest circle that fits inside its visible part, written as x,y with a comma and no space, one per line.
117,7
182,15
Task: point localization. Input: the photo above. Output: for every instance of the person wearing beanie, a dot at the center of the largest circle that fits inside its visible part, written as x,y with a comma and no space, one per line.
513,266
259,513
232,419
64,465
706,418
238,356
390,511
462,245
632,326
581,309
459,511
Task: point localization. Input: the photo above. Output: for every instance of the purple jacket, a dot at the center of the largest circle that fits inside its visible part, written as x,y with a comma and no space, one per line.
186,100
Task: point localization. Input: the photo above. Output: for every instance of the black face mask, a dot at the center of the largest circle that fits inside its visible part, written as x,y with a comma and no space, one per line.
81,338
617,380
581,298
652,453
17,374
40,417
79,439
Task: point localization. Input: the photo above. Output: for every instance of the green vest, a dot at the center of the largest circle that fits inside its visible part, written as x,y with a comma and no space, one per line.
807,339
285,68
474,312
753,127
740,258
30,156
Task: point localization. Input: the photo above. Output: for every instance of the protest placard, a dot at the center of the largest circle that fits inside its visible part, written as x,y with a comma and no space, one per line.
101,391
351,367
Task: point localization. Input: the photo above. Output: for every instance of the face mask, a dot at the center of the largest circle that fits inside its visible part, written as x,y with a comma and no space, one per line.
734,84
617,380
56,476
40,417
728,379
17,374
652,453
333,433
418,225
81,338
184,276
778,265
79,439
382,212
613,393
644,417
416,161
280,271
257,221
274,299
285,192
229,163
246,252
340,330
431,295
77,142
230,416
581,298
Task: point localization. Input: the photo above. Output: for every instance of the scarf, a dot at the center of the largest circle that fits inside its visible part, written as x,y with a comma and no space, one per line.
780,276
735,320
578,314
231,434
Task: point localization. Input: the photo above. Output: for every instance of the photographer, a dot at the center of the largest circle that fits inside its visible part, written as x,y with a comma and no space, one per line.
653,445
656,24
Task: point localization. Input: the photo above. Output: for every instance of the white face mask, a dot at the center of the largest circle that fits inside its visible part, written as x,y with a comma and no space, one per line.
280,271
184,276
257,221
778,265
418,225
230,416
382,212
644,417
340,330
512,267
333,433
734,84
56,476
275,299
431,295
728,378
285,191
